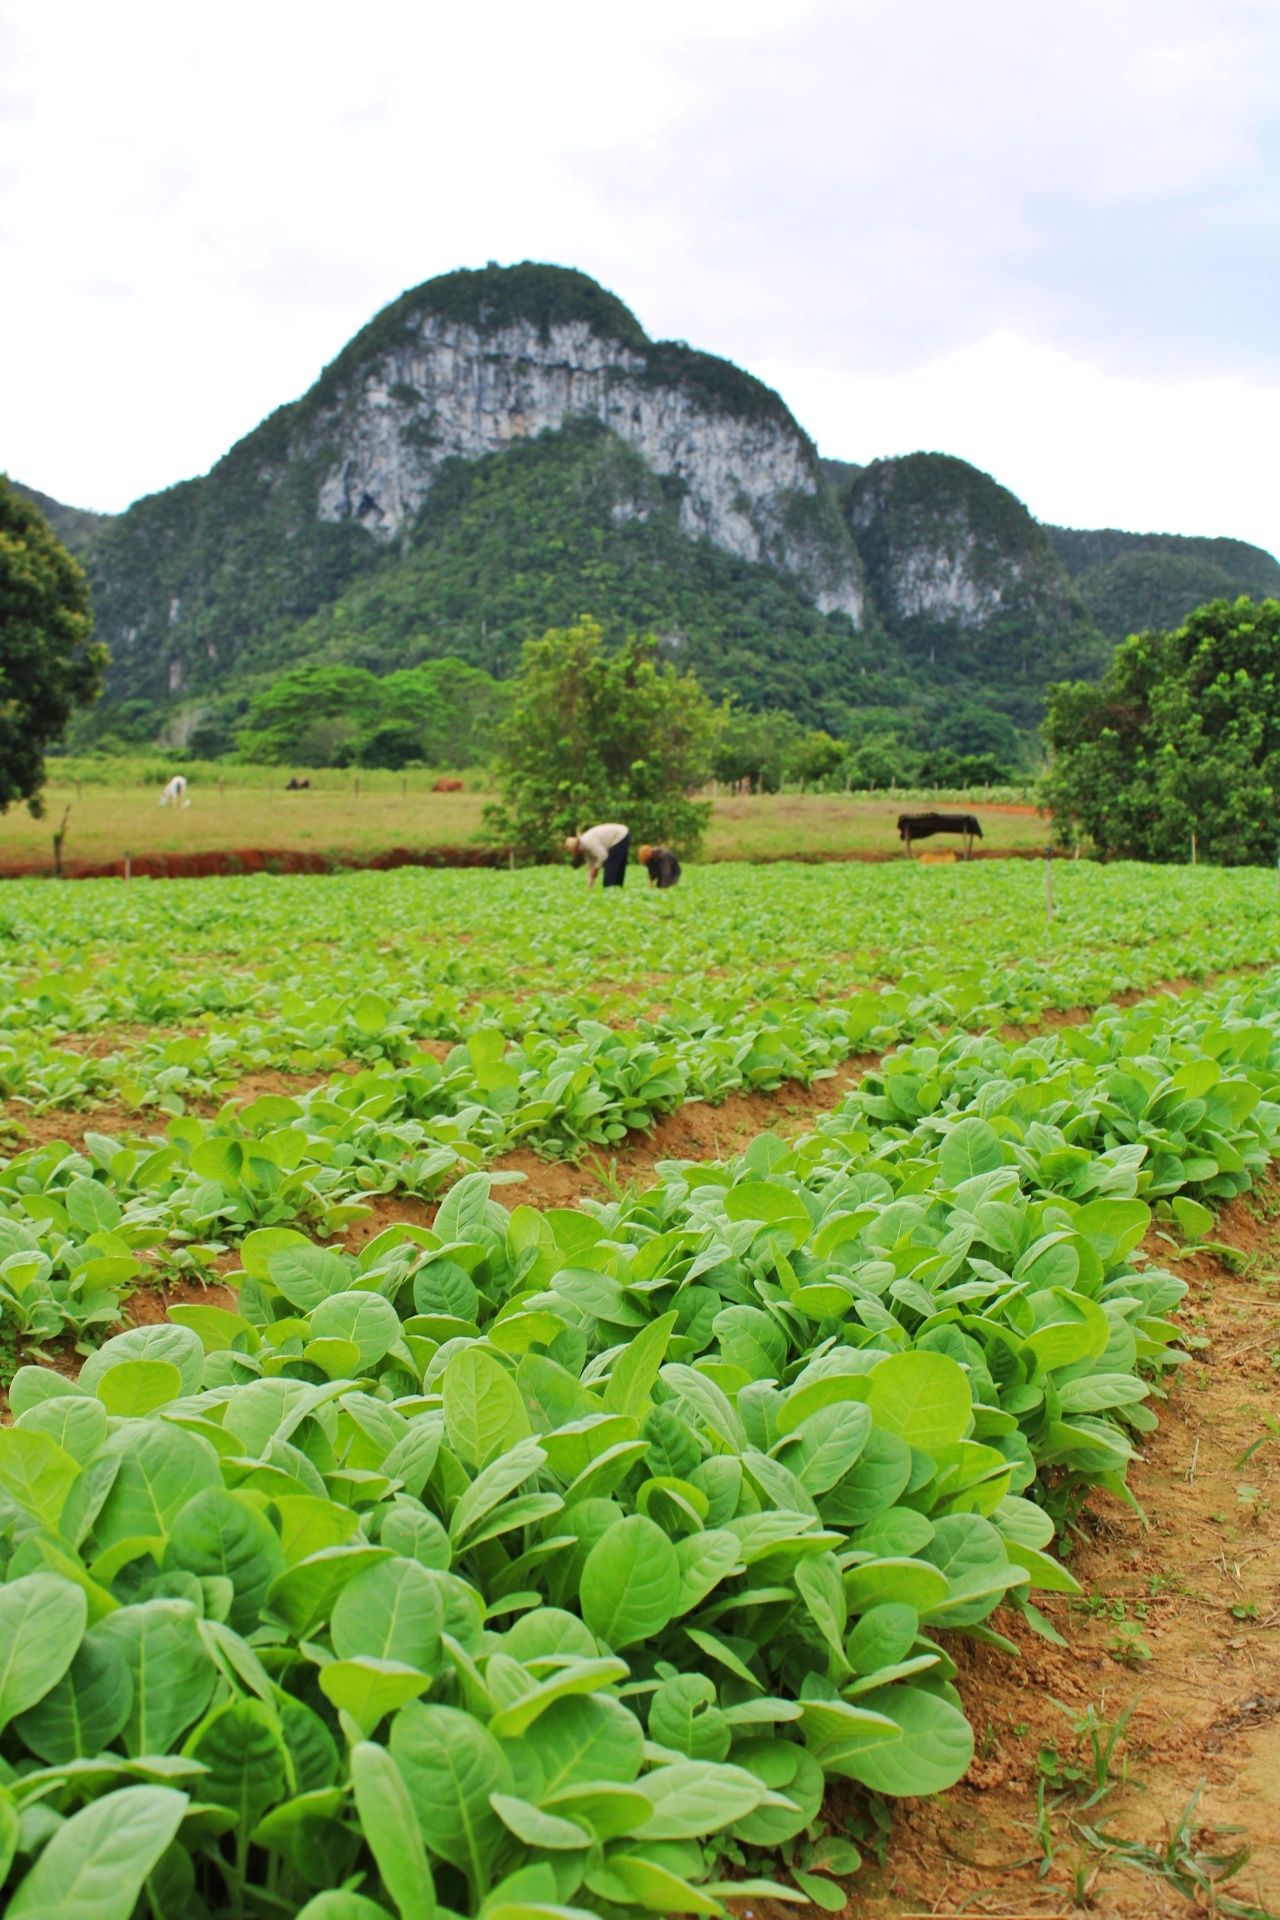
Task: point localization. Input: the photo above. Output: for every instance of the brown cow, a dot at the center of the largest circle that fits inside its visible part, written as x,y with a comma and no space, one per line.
919,826
447,786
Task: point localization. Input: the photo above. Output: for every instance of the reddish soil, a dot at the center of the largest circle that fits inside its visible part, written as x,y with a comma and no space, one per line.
240,860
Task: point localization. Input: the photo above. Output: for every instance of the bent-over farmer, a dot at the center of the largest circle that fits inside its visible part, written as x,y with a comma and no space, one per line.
663,866
604,850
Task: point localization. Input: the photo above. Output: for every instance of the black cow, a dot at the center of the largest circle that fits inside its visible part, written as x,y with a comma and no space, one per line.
919,826
297,786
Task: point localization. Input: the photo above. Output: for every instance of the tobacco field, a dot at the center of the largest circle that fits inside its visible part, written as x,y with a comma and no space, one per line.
534,1562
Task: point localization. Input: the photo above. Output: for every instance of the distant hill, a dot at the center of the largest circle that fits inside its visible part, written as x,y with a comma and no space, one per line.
503,450
968,585
1131,581
76,527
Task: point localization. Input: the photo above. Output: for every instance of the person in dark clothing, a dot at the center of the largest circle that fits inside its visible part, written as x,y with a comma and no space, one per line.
662,864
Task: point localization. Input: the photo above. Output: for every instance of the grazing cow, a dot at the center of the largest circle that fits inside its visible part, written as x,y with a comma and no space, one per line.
294,785
175,793
919,826
447,786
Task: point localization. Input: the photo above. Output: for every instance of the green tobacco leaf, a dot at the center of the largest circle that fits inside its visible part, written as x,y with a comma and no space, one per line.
884,1635
368,1321
924,1398
536,1827
483,1411
95,1865
305,1593
393,1611
581,1740
42,1619
704,1560
84,1711
969,1147
823,1448
36,1471
391,1829
172,1345
241,1745
636,1368
933,1748
818,1583
171,1671
898,1581
630,1583
307,1276
451,1764
136,1388
369,1689
800,1778
218,1534
694,1797
161,1469
339,1904
498,1479
417,1535
877,1478
75,1422
584,1676
629,1879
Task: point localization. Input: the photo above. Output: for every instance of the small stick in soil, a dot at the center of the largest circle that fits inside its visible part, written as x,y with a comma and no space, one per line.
1195,1454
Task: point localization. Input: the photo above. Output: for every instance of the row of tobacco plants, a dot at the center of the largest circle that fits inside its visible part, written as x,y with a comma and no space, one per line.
548,1564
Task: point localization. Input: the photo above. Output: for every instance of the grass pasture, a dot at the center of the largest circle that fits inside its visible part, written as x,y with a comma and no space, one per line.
354,816
580,1404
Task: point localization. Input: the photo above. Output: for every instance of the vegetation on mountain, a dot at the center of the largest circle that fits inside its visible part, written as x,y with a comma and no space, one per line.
1133,582
48,660
1180,738
602,735
968,584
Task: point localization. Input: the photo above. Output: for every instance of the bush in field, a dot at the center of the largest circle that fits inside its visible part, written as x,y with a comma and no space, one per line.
48,665
596,735
1182,736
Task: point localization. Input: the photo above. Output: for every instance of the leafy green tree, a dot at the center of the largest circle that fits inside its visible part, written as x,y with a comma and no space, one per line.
442,713
755,747
1182,736
815,758
602,735
48,662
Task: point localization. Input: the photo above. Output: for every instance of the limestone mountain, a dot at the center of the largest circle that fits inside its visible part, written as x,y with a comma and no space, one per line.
198,584
968,584
501,451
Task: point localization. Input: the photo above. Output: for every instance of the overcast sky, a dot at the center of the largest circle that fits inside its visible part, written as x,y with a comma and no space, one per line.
1042,236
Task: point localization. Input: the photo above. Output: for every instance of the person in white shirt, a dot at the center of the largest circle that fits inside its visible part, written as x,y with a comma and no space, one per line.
605,850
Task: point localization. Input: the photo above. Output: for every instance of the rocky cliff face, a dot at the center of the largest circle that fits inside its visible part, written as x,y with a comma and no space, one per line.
443,388
967,582
217,578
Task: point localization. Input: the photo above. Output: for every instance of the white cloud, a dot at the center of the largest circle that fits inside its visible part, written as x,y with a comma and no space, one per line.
1042,237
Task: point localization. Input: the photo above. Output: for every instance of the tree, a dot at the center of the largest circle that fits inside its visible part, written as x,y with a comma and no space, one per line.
596,735
48,662
442,713
754,746
1182,736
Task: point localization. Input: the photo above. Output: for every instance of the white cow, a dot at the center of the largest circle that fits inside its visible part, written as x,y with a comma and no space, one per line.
176,792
